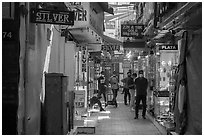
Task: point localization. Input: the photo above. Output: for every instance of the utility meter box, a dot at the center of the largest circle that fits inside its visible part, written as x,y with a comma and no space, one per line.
55,106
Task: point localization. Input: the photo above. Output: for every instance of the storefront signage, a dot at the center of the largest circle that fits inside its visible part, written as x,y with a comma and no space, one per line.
168,47
134,44
80,98
80,14
52,17
87,15
117,59
126,64
110,47
110,25
163,94
84,59
132,30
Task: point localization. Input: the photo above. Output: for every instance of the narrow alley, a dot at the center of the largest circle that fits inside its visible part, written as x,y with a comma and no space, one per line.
119,121
88,68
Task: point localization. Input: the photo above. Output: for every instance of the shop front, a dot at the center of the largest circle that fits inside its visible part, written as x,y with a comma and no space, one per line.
170,102
88,32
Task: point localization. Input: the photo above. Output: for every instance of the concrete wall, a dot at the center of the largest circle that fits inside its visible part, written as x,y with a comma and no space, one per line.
70,63
35,57
42,50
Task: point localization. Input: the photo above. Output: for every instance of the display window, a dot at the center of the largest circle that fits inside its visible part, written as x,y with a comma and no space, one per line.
162,69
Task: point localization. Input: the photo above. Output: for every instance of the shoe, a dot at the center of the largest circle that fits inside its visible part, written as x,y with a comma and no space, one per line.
125,103
144,117
102,109
106,104
132,109
136,117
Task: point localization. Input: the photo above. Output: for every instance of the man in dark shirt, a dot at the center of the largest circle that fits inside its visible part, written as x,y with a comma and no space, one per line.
102,86
141,93
126,88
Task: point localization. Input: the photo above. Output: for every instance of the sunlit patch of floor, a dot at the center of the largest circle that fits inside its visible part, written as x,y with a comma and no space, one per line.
105,112
103,117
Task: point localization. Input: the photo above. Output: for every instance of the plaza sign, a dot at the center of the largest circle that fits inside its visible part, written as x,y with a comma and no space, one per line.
52,17
132,30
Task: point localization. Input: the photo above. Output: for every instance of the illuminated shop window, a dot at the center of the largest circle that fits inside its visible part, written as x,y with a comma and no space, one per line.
8,10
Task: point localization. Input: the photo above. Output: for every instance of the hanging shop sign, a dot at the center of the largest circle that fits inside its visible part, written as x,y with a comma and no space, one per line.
134,44
168,47
110,47
84,58
52,17
132,30
79,98
126,64
117,59
87,15
110,25
163,94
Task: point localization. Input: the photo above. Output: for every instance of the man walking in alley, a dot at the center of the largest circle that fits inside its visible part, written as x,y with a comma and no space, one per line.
141,93
102,86
114,86
126,89
131,87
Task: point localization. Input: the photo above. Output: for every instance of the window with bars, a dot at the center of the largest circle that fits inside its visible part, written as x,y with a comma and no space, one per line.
8,10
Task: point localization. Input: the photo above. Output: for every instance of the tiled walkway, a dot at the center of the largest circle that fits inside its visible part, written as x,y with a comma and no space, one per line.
120,121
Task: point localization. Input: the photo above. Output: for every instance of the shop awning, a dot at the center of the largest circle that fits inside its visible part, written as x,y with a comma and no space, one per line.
105,7
149,30
177,16
109,40
139,44
86,35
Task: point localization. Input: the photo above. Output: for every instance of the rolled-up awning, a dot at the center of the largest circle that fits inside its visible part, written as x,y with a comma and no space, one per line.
105,7
139,44
109,40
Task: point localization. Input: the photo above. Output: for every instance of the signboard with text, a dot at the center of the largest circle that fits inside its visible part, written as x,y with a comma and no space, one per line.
117,59
110,47
52,17
80,98
87,14
132,30
126,64
168,47
84,58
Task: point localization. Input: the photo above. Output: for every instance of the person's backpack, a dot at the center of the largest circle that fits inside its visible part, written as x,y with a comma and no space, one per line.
114,82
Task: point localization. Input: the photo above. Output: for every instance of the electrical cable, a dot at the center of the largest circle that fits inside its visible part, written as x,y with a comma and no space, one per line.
56,29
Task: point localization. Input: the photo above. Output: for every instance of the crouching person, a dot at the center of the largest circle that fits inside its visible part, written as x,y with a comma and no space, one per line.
96,100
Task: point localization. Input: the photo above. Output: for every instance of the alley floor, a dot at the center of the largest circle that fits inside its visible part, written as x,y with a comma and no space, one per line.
120,121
